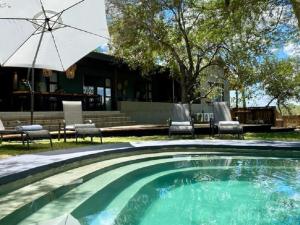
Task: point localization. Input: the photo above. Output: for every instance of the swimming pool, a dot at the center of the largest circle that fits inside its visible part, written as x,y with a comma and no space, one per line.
179,187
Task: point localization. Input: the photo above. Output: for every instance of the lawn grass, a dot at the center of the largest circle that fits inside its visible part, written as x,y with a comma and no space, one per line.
275,136
16,148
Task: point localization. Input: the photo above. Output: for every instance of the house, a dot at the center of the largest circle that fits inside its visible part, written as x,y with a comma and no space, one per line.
101,81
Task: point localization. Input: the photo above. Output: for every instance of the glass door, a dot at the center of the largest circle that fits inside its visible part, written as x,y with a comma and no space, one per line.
105,94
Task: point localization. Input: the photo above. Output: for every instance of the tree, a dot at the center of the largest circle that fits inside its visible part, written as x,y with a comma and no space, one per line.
296,7
281,80
249,46
177,34
185,36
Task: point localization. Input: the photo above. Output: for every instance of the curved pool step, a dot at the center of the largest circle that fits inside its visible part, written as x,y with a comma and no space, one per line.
121,201
83,192
70,186
112,179
30,198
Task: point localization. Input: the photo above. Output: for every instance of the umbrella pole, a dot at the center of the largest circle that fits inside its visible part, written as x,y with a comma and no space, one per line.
32,96
32,76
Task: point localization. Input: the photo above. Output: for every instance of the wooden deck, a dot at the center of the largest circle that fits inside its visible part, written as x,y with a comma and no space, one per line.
162,129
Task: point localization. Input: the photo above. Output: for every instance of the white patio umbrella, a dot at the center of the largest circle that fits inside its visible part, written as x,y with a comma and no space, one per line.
50,34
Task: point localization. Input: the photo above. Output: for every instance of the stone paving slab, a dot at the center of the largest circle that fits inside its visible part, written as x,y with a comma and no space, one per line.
32,162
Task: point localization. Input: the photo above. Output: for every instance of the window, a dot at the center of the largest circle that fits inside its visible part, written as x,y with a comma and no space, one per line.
100,86
107,94
149,92
89,90
53,84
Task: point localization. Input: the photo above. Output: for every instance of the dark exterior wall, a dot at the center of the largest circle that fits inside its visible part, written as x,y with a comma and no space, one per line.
9,84
70,85
126,84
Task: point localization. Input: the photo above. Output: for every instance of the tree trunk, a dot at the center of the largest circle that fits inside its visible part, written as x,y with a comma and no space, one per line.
184,95
296,7
244,99
236,99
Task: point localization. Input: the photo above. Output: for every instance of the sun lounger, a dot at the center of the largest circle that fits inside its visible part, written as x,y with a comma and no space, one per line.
181,121
222,121
28,133
34,132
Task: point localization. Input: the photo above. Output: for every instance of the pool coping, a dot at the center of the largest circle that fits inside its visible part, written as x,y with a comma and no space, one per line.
18,167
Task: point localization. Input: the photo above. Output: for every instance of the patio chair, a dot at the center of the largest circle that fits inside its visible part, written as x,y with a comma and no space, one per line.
222,121
181,121
73,121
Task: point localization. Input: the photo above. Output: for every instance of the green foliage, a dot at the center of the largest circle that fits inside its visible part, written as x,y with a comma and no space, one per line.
292,110
281,80
185,36
274,136
259,29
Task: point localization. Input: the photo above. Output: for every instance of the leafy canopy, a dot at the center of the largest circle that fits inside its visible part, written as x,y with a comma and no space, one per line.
186,36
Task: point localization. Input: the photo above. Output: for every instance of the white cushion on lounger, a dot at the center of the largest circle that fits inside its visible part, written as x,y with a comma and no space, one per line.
70,127
85,125
229,123
185,123
80,125
180,128
29,127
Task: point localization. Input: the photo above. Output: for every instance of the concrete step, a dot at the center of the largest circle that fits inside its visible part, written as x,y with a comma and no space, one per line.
51,120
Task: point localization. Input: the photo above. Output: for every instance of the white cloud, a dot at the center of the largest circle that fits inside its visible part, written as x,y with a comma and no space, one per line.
292,49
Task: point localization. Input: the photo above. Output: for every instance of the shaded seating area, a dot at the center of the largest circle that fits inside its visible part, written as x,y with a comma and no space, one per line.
73,121
181,121
28,133
223,122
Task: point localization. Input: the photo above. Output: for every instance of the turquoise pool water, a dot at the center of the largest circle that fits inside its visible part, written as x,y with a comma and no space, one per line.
253,191
188,191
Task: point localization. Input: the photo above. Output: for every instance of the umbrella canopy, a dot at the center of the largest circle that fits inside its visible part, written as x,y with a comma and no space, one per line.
67,219
50,34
